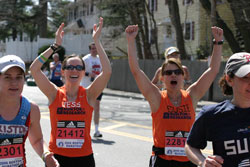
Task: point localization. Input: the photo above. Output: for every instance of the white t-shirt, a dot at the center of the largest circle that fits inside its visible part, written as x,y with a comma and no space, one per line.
92,65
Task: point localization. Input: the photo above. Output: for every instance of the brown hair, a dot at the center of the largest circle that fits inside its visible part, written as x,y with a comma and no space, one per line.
64,63
172,61
226,89
90,44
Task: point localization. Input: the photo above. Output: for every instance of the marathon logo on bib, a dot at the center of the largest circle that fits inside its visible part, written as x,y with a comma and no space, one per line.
70,134
181,112
6,129
11,152
71,108
175,143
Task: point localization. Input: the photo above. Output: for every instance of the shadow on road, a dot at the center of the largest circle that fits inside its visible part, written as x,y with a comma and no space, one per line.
101,141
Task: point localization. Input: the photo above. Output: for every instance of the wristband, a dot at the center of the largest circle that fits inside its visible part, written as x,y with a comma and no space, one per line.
44,58
40,59
44,155
54,47
217,42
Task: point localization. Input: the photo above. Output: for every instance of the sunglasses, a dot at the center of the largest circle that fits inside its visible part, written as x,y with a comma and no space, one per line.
170,72
71,67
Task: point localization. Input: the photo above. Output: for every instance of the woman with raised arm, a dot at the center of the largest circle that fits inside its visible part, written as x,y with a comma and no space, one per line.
225,124
172,110
71,105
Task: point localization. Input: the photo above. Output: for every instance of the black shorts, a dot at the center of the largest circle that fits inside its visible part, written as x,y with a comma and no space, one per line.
88,161
99,97
156,161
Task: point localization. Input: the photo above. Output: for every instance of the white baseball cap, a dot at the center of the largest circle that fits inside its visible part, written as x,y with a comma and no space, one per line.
238,64
8,61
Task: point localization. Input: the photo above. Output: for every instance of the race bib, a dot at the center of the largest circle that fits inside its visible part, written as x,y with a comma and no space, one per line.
11,152
175,143
70,134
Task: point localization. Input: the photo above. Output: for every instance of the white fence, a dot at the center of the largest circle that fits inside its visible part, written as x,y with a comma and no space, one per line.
28,50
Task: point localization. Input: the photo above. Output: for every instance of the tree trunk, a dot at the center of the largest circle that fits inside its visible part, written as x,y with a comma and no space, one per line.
242,21
151,17
144,32
138,43
176,21
42,19
229,36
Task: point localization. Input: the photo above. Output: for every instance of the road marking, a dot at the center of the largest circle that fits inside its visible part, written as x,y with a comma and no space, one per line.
129,135
115,126
129,124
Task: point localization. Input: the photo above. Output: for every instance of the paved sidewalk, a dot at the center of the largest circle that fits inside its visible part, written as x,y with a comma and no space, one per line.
119,93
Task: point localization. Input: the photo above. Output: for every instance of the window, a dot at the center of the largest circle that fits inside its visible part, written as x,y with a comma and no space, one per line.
219,2
92,7
168,31
153,33
87,7
70,15
82,13
189,31
76,13
153,5
187,2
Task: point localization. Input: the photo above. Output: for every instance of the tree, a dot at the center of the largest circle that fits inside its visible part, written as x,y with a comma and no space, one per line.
23,16
175,20
241,14
15,17
57,13
121,13
42,18
228,34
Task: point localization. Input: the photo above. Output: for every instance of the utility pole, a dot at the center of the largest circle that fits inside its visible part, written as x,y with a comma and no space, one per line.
213,23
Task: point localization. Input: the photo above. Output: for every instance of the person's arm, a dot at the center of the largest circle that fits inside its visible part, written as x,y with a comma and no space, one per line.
36,138
149,90
195,155
95,89
52,66
47,87
187,79
199,88
156,78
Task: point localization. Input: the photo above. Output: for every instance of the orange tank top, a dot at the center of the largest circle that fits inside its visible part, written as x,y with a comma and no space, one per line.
171,126
70,125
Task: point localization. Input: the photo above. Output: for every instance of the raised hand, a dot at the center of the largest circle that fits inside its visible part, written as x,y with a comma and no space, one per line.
217,33
131,31
59,35
97,30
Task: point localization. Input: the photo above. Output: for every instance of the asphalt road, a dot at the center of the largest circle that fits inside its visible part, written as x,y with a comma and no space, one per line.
126,127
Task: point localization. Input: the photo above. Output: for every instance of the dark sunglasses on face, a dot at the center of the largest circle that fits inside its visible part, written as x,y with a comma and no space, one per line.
170,72
71,67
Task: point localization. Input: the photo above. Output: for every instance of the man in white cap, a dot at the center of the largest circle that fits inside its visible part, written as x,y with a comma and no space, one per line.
172,52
